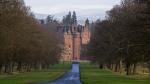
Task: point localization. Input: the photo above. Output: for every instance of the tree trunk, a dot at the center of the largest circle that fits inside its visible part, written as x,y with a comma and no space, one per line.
39,66
5,68
149,67
10,68
1,68
134,68
128,69
120,66
116,67
112,67
28,68
101,66
19,67
149,71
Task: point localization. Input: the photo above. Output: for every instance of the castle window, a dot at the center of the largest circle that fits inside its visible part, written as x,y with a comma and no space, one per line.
69,46
74,29
57,29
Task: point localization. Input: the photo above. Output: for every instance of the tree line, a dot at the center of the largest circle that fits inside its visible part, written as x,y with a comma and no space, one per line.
25,44
70,19
122,40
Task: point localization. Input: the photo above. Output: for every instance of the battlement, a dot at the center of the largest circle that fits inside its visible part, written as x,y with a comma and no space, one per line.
71,29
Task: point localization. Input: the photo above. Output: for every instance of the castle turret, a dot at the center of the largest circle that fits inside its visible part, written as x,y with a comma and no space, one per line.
86,33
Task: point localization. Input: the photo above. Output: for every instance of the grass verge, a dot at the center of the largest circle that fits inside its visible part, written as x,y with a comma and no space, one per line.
90,74
35,76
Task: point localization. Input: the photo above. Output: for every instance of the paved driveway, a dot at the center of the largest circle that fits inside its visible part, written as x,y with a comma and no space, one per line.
71,77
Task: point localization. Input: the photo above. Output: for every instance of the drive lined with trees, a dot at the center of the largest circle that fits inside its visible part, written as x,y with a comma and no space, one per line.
25,44
122,40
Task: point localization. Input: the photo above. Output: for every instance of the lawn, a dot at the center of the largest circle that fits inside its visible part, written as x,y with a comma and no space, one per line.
35,76
90,74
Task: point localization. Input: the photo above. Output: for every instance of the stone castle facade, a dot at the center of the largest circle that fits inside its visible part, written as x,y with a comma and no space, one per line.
73,38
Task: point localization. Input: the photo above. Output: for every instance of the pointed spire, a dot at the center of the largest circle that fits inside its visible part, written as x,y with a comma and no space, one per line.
87,22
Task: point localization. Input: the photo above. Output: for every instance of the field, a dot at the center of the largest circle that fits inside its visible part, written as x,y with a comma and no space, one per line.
35,76
90,74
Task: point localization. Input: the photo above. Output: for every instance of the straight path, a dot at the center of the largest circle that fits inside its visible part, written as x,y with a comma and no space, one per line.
71,77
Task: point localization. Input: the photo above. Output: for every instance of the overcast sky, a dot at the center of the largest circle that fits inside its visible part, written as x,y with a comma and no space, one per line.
85,8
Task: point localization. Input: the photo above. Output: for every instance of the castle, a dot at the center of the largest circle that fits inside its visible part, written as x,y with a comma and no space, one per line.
74,37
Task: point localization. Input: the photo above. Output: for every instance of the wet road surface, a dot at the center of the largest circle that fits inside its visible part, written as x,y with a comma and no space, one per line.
71,77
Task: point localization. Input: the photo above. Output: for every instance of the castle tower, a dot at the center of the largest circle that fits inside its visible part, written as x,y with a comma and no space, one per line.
74,41
68,46
76,46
